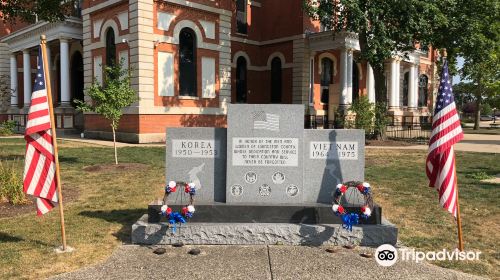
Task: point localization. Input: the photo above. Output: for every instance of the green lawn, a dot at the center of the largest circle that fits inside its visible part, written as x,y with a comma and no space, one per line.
483,130
110,200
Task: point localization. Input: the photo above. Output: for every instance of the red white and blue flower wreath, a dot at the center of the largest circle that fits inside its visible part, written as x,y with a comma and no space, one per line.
186,212
351,219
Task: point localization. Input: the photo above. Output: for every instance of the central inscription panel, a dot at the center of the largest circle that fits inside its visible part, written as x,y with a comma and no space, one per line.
265,146
265,151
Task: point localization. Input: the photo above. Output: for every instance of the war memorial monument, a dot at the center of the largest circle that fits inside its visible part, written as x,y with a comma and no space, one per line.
264,180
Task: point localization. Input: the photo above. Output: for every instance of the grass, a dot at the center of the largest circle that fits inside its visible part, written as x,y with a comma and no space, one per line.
400,186
483,130
110,201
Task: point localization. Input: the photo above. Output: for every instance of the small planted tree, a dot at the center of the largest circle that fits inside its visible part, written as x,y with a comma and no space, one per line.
5,93
109,98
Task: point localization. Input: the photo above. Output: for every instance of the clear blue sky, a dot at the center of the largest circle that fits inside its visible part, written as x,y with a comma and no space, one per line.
460,63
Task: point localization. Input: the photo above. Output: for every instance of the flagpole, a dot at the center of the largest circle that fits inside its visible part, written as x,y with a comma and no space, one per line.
459,220
53,130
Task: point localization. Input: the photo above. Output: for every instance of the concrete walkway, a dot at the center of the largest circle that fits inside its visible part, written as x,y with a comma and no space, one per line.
480,143
254,262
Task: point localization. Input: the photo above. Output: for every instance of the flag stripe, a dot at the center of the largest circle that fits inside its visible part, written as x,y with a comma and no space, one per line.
39,170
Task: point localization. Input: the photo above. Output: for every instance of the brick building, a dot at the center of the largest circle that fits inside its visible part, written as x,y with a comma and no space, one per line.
189,59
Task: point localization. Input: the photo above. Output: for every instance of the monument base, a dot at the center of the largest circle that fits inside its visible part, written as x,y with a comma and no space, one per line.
311,213
373,235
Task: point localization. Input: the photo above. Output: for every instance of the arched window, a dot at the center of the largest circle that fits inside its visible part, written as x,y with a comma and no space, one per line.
276,80
406,82
423,84
326,78
241,80
187,62
241,16
355,81
110,47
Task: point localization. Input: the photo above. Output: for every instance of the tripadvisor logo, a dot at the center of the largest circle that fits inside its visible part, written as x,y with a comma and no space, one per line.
387,255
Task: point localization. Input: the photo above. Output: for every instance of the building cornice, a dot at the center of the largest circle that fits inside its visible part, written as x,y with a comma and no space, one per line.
267,42
29,36
198,6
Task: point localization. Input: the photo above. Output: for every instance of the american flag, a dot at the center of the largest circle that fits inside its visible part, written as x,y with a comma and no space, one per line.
263,120
446,132
39,166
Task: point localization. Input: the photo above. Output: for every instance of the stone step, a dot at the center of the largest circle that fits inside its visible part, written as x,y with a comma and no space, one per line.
192,233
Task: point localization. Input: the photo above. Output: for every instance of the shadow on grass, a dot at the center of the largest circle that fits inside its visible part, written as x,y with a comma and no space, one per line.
68,159
12,157
125,217
5,237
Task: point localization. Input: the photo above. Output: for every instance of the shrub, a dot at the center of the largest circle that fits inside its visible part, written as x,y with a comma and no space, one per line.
11,184
364,114
7,128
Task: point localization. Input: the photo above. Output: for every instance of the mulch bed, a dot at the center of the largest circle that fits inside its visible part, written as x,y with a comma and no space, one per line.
8,210
115,167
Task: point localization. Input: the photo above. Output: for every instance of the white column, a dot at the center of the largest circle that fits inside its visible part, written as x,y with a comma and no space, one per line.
349,76
345,77
412,87
13,80
49,65
394,86
64,57
27,77
370,83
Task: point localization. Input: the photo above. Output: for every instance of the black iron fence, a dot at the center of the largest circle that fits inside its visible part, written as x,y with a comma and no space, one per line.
409,129
414,132
320,122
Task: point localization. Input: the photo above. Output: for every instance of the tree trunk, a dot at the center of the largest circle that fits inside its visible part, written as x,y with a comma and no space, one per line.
114,143
477,117
380,99
380,92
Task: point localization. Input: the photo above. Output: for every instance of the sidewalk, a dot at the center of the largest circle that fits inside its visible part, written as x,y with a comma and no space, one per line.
480,143
255,263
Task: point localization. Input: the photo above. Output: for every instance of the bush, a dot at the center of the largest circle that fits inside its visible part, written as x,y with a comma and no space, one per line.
364,114
7,128
11,185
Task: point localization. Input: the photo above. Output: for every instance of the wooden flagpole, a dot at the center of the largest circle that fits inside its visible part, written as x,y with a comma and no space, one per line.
459,220
43,44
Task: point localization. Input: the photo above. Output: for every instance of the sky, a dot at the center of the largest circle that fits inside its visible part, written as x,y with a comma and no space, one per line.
460,63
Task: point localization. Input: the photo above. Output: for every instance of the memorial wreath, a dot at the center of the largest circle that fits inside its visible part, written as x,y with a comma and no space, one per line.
187,211
351,219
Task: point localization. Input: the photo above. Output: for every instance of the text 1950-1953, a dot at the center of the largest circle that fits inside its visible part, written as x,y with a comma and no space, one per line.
195,148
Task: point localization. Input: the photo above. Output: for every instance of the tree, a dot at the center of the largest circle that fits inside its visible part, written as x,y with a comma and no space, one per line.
384,27
5,93
476,40
29,11
110,97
